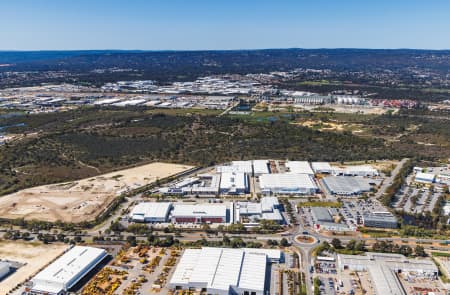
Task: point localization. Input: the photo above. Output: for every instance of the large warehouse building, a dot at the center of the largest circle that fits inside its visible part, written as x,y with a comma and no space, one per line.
222,271
66,271
289,184
356,170
151,212
383,269
234,183
199,213
346,185
427,178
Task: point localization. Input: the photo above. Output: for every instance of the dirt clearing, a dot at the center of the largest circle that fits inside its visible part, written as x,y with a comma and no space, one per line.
84,199
34,256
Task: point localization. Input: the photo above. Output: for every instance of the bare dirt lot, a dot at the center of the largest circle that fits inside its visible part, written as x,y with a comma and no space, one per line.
84,199
34,255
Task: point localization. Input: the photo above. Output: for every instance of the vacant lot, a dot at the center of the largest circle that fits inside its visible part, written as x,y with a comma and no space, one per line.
34,255
84,199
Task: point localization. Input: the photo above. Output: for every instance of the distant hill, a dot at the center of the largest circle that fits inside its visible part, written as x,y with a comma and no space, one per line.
236,61
13,57
396,73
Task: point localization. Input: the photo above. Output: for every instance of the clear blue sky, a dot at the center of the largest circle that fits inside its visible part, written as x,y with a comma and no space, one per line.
223,24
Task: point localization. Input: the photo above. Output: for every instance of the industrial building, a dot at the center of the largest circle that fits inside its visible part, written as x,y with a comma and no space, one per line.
249,213
260,167
333,226
356,170
181,187
234,183
236,166
199,213
223,271
299,167
323,220
346,185
426,178
208,185
151,212
380,219
321,214
289,184
322,167
67,270
384,268
313,99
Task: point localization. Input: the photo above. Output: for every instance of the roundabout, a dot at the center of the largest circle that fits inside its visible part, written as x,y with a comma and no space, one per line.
305,239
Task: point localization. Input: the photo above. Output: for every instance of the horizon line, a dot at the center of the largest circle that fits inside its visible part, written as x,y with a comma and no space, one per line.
237,49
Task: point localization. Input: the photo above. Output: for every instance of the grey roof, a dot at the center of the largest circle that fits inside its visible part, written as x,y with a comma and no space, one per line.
346,184
321,214
379,216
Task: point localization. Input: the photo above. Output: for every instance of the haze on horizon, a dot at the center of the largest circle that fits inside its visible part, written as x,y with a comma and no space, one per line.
233,24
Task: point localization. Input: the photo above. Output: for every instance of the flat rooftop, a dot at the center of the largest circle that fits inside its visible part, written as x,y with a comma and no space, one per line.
346,184
68,269
222,268
151,209
199,210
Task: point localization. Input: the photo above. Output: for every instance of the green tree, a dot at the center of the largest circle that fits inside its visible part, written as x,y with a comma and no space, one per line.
337,244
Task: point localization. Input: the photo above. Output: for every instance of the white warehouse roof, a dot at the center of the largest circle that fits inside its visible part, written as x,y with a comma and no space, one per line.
233,180
67,270
219,269
289,182
199,210
153,210
320,167
424,177
236,166
260,166
299,167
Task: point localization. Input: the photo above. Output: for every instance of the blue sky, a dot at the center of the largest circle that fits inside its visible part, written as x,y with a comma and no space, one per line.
223,24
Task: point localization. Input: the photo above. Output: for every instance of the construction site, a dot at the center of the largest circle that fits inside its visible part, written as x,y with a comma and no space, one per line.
85,199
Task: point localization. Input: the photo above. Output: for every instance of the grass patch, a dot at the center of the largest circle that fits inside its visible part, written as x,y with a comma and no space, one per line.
320,204
376,233
440,254
442,275
349,252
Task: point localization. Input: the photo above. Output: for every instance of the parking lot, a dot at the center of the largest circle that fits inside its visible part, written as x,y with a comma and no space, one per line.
413,198
353,210
322,267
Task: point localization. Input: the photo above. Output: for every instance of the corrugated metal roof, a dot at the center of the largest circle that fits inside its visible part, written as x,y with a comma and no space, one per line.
67,269
220,268
289,181
199,210
228,269
151,210
253,272
185,267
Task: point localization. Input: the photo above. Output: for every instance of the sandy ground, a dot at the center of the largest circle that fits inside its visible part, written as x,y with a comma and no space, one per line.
83,199
35,256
